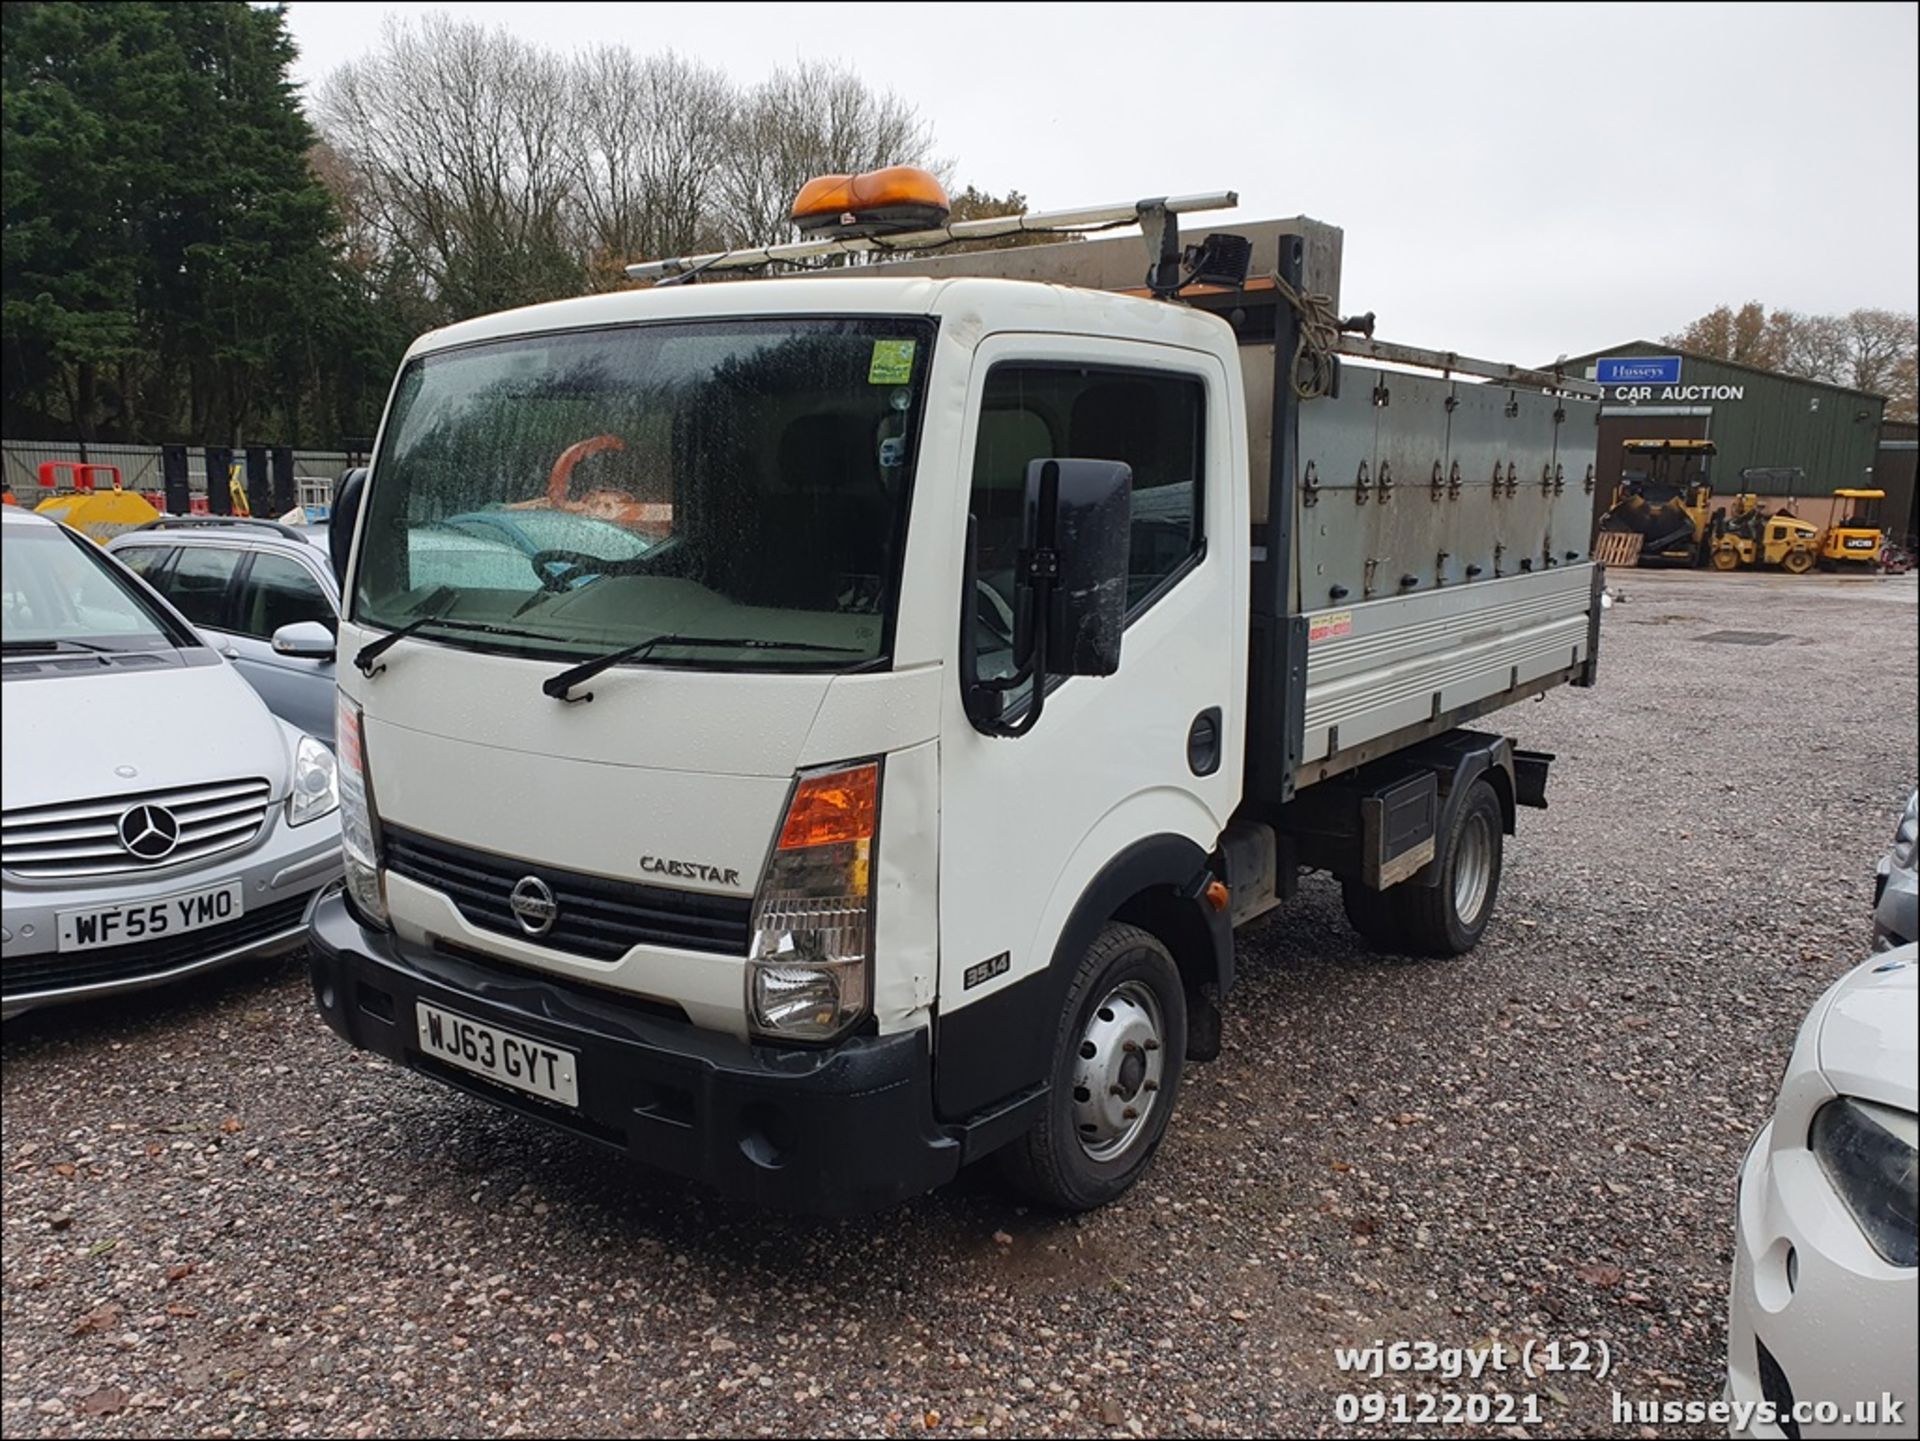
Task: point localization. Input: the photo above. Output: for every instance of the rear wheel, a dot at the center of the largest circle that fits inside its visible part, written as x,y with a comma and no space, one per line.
1797,562
1117,1059
1726,558
1447,919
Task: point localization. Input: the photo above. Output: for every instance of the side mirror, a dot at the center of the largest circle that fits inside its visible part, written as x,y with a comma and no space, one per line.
1079,519
1070,601
341,519
307,639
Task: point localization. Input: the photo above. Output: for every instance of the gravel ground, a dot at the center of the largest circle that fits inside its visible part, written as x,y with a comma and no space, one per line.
218,1221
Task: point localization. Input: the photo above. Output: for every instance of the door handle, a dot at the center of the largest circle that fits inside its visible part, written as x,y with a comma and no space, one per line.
1204,742
229,652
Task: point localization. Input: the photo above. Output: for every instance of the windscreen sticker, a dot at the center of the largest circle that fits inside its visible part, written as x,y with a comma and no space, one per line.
1330,626
892,362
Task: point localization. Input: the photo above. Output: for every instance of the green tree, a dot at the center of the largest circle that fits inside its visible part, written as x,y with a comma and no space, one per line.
173,265
973,204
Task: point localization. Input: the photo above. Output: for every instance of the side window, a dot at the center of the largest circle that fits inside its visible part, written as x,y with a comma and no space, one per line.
1153,421
279,590
145,560
199,583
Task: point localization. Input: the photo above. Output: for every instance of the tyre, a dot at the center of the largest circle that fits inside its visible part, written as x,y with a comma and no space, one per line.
1725,558
1797,562
1117,1057
1447,919
1375,915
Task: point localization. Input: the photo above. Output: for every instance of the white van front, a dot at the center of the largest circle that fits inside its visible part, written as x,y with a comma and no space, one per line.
653,764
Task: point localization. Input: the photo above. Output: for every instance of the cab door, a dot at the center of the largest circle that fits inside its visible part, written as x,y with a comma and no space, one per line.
1153,750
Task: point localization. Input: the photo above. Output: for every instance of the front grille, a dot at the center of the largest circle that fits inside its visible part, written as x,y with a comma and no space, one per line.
598,918
82,838
22,976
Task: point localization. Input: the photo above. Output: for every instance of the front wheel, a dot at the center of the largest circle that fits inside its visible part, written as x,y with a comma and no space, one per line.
1117,1058
1797,562
1447,919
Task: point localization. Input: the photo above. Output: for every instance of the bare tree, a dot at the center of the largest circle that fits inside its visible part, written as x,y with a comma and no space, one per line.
465,140
1868,349
815,119
1809,345
654,134
498,174
1880,343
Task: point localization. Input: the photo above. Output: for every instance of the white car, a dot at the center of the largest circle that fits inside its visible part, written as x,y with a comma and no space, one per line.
157,820
1825,1315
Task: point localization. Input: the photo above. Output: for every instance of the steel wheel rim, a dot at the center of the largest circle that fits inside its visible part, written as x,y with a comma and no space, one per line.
1117,1070
1472,869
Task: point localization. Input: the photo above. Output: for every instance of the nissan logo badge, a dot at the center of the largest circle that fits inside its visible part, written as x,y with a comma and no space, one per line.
533,905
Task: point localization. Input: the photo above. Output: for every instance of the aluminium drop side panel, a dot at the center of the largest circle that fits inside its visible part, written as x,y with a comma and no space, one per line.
1408,661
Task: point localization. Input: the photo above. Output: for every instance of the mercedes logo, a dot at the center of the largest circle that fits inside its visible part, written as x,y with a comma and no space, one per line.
149,832
533,905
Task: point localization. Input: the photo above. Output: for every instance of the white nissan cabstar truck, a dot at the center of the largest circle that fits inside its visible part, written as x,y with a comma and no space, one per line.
812,733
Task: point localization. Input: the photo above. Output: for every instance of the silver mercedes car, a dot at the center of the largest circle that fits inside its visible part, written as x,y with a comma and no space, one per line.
156,819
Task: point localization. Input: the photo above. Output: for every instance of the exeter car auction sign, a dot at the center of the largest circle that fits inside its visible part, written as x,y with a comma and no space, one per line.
1655,378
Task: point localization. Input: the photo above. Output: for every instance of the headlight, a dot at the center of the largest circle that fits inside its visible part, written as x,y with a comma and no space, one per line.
809,969
316,783
1867,1152
365,889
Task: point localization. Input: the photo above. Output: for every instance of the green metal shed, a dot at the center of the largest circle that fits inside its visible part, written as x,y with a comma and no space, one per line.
1758,419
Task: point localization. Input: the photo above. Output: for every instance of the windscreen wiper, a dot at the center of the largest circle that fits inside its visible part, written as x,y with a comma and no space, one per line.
433,605
474,627
51,647
557,686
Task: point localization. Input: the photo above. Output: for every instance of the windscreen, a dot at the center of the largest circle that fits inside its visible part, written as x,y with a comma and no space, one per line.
62,594
581,492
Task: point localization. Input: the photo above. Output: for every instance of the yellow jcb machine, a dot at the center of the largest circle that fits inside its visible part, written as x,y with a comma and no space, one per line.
1855,541
1665,498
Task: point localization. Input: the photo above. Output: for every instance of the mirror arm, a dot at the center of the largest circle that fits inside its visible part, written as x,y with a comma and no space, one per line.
1035,670
1042,567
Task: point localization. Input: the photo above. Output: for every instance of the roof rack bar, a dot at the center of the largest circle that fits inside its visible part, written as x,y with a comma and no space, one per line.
1093,217
202,522
1362,348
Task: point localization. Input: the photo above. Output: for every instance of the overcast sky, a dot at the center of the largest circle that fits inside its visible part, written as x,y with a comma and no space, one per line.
1518,181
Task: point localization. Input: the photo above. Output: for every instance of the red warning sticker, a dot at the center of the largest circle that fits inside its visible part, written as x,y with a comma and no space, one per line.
1330,626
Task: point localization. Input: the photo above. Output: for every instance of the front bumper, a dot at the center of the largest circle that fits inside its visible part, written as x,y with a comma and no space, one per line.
837,1131
279,874
1816,1318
